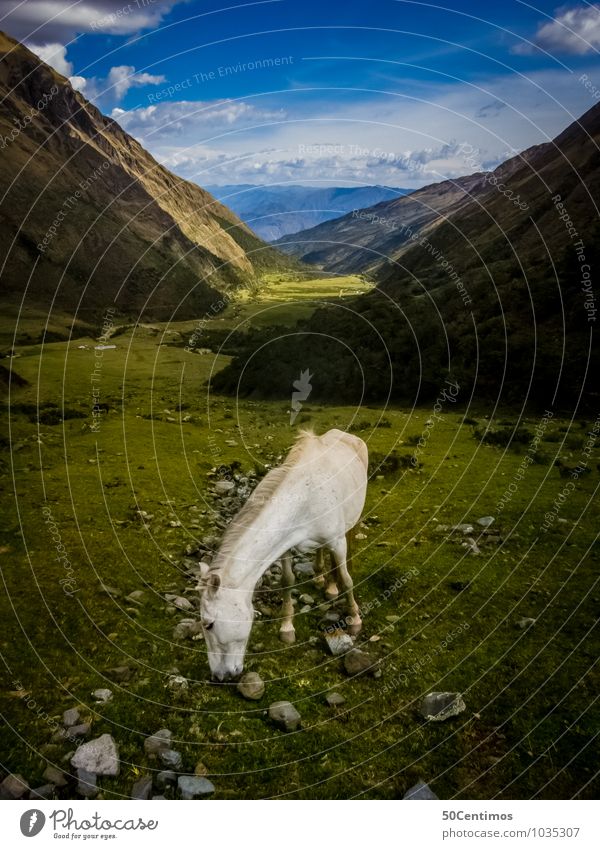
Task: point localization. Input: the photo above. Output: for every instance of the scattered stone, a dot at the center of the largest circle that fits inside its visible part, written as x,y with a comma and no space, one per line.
305,569
335,699
99,756
136,597
121,673
200,769
102,695
113,592
195,786
170,758
358,662
393,618
46,791
71,717
305,598
526,622
223,487
339,642
55,776
177,683
166,778
14,786
187,629
420,791
472,546
159,798
142,789
77,732
158,742
285,715
86,784
440,706
181,603
251,686
486,521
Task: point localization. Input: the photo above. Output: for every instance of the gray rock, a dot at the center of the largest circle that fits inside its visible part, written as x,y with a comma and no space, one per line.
166,778
142,789
86,784
440,706
182,603
304,569
99,756
486,521
55,776
113,592
14,786
285,715
120,673
177,683
358,662
187,629
305,598
46,791
195,786
137,596
526,622
251,686
339,642
224,487
102,695
335,699
158,742
170,758
159,798
78,732
71,717
420,791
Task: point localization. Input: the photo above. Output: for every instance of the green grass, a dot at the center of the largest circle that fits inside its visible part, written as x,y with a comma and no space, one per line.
531,719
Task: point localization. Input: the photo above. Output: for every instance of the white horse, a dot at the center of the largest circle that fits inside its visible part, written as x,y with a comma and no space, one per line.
311,502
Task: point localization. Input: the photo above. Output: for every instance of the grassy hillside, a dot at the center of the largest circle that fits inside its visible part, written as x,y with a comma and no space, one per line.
451,623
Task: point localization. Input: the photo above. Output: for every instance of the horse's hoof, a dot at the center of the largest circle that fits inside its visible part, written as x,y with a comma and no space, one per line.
287,636
354,627
331,593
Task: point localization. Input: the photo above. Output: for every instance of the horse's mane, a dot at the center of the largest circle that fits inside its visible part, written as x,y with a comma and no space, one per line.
262,495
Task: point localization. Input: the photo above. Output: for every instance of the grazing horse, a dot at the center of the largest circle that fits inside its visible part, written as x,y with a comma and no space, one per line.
311,502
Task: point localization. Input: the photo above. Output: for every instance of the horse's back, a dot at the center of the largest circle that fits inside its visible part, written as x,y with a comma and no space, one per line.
340,475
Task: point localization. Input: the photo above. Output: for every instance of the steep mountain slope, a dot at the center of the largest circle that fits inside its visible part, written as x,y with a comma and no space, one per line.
93,218
275,211
494,285
360,240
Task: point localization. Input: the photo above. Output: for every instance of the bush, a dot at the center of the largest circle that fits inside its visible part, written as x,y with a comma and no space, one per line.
503,437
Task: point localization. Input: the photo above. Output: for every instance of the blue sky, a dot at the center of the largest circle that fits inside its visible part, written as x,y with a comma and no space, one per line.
387,91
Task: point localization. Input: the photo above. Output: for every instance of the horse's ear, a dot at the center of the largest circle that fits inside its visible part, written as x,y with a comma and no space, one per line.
213,581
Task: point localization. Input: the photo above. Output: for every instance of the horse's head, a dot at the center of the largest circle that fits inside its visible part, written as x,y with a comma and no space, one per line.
227,616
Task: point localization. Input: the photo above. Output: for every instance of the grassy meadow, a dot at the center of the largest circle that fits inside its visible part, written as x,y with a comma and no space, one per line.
452,622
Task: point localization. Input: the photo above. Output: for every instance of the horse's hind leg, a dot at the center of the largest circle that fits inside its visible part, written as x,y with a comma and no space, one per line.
342,554
319,579
331,579
287,633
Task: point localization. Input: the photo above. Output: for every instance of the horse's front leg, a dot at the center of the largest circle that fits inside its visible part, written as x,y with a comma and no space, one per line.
287,633
341,553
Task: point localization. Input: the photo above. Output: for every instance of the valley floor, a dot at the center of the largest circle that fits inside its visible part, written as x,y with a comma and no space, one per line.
444,609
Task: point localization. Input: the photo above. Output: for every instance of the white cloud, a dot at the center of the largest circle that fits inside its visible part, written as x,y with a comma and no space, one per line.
55,55
123,77
195,117
60,22
574,30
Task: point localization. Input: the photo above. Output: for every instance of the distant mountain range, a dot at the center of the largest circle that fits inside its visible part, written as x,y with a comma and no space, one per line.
88,216
490,279
276,211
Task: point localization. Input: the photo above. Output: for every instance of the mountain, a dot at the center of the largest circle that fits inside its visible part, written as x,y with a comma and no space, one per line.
276,211
357,242
88,217
493,286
